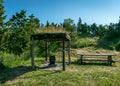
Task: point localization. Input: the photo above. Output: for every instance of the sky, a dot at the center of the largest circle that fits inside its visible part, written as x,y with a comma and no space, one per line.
90,11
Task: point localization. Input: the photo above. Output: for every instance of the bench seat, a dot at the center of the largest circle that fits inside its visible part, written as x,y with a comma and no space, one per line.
107,58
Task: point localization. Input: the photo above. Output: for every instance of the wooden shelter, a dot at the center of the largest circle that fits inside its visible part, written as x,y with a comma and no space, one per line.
49,37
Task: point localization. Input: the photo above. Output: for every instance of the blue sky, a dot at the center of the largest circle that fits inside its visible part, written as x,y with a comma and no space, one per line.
90,11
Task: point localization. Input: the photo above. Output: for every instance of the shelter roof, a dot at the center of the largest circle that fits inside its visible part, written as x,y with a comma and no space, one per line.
51,36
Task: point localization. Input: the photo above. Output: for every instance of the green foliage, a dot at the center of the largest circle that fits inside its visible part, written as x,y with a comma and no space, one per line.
106,44
117,47
15,36
111,38
18,42
94,29
10,60
69,25
2,65
83,42
112,44
52,48
18,31
102,30
2,17
79,27
15,46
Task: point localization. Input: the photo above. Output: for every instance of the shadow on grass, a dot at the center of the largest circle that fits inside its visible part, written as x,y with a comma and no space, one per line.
11,73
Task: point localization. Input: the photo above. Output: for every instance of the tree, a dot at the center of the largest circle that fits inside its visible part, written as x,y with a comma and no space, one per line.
18,20
33,24
47,24
79,27
94,29
85,29
114,30
118,28
69,25
2,17
50,24
22,27
101,30
82,29
53,24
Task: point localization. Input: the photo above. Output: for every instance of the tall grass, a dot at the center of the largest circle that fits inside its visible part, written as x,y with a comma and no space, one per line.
10,60
83,42
52,29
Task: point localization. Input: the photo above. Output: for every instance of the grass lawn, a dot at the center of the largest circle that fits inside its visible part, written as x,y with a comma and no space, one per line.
75,75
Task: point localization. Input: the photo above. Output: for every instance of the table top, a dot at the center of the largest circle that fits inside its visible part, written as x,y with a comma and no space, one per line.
97,54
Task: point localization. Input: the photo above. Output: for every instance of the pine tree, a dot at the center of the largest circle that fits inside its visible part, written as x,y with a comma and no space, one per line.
1,28
21,27
94,29
79,26
2,17
47,24
1,22
69,25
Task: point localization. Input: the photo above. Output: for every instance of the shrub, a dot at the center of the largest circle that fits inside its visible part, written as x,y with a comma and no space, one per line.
106,44
2,65
83,42
117,47
9,59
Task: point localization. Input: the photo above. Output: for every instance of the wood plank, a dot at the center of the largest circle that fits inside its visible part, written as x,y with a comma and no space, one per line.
94,60
46,48
32,54
63,55
97,54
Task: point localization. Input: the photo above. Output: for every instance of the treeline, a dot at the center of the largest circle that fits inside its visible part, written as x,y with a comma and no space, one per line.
15,33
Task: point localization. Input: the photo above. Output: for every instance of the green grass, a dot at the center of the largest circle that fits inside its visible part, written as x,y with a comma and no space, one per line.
19,73
75,75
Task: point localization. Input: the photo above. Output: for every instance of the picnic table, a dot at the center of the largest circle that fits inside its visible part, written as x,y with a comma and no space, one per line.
97,57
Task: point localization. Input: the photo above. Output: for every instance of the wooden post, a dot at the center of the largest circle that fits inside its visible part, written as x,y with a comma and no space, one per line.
46,48
110,60
63,59
32,53
81,59
69,59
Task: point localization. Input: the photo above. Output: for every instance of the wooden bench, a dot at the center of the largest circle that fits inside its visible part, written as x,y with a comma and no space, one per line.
107,58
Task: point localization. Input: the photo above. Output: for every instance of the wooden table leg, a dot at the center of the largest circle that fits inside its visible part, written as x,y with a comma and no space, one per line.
110,60
81,59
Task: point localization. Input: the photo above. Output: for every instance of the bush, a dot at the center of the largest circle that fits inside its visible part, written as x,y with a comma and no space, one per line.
111,43
106,44
117,47
83,42
2,65
41,51
9,59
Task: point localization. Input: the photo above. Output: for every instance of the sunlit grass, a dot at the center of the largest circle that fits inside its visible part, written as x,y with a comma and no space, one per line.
75,75
51,29
19,73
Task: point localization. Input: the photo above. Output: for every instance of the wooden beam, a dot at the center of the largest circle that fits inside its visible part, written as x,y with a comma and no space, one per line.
32,53
69,59
63,59
46,49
